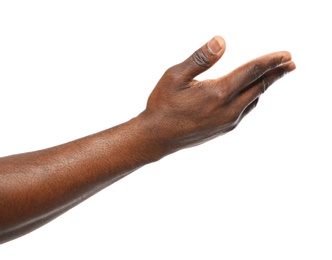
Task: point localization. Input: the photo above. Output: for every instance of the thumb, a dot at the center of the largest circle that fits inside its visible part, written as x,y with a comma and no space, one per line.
202,59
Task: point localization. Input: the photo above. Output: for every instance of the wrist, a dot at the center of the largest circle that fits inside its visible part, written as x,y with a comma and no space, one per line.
152,143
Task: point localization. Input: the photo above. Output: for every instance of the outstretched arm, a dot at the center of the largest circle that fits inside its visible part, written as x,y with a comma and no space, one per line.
181,112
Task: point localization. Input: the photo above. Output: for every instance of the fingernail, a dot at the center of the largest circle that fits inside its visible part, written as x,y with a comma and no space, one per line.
214,45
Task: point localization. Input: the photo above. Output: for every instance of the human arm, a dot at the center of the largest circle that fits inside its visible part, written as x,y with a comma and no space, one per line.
181,112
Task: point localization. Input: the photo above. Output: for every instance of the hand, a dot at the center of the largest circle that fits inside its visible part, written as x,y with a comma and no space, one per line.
187,112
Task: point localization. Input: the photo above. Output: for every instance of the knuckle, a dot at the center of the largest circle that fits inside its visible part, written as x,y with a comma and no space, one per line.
281,73
258,70
265,84
171,74
224,92
222,95
200,58
170,71
232,127
275,62
260,67
234,118
215,94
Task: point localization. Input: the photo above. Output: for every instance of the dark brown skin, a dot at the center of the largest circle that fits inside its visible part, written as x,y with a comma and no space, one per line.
37,187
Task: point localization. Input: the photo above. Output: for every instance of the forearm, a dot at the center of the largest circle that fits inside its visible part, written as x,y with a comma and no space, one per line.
38,186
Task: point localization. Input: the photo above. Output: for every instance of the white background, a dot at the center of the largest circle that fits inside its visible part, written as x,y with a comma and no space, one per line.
263,191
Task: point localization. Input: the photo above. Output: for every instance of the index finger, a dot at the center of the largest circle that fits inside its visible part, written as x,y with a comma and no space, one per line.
249,72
